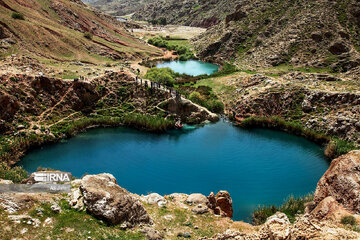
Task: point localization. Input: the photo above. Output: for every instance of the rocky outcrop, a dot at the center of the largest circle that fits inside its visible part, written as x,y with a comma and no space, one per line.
106,200
188,111
154,198
8,107
334,113
342,182
329,209
196,13
221,203
278,227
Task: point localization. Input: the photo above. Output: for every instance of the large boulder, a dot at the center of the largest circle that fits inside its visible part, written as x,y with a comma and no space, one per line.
221,203
196,198
154,198
106,200
188,111
277,226
329,209
342,182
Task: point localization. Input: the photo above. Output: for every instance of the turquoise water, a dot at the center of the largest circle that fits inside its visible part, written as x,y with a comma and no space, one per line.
256,166
190,67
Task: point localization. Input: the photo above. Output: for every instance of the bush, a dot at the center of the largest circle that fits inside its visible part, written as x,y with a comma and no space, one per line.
291,207
147,122
183,52
348,220
15,174
17,15
88,35
210,102
161,75
338,147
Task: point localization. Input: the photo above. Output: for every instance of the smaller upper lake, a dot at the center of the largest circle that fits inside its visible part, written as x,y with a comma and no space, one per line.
190,67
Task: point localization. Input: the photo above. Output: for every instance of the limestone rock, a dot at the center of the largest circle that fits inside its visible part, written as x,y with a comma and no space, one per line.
278,226
342,182
196,198
306,106
2,181
154,198
106,200
188,111
221,204
329,209
151,233
200,209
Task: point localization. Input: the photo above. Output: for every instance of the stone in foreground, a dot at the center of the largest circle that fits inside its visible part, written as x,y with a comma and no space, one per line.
342,182
106,200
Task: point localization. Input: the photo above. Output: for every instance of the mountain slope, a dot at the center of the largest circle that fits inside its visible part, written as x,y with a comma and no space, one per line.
321,34
197,13
117,7
55,29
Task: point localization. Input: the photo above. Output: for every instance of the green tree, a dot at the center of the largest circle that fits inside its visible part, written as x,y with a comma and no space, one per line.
162,75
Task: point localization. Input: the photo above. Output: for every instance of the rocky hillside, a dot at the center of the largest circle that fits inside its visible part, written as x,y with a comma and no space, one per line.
64,30
117,7
318,34
196,13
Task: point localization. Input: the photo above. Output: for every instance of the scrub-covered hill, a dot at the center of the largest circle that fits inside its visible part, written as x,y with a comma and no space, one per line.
64,30
319,34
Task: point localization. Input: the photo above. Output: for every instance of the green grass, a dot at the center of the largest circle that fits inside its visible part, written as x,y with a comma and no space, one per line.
338,147
147,122
291,208
181,47
15,174
209,101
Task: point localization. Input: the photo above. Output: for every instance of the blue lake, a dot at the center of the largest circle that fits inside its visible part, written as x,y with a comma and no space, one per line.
190,67
256,166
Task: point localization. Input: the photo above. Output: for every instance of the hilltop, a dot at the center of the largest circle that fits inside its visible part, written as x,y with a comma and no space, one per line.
65,30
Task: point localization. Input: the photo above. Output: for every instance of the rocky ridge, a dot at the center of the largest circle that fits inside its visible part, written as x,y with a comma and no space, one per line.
42,109
319,34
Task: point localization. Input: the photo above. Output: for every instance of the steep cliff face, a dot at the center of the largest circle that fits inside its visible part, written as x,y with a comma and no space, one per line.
258,34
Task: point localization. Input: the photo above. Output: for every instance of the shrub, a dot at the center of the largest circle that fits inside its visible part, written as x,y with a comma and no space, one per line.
210,102
88,35
17,15
15,174
196,98
291,207
147,122
348,220
338,147
162,75
215,106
